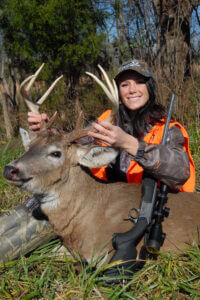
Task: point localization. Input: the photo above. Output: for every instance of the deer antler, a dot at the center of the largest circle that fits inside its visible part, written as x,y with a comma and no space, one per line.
110,90
24,89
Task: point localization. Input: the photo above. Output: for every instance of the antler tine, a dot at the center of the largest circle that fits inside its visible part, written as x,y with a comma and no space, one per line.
44,126
41,100
110,90
34,77
34,107
114,91
52,119
76,134
26,80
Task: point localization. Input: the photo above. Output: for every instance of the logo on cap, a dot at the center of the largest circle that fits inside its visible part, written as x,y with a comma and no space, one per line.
133,63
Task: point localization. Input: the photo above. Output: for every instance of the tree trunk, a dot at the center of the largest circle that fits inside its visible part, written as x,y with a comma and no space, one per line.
173,36
7,121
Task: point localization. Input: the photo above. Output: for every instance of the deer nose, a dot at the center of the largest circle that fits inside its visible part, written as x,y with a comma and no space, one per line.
10,172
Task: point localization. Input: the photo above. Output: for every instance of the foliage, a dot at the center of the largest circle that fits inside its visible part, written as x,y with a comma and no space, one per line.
62,33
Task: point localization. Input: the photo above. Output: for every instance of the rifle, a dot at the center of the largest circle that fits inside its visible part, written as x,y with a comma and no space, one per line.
125,243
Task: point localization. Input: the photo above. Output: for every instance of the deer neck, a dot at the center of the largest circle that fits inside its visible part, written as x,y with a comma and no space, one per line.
69,196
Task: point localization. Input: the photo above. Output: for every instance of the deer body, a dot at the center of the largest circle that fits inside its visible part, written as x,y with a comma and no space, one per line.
84,212
89,214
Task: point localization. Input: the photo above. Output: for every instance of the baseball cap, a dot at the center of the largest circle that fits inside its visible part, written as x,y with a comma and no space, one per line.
136,65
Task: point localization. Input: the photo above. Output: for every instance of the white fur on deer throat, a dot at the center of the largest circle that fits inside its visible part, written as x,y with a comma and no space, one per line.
97,156
49,201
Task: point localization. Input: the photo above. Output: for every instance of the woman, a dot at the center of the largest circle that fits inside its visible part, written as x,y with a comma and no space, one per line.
138,134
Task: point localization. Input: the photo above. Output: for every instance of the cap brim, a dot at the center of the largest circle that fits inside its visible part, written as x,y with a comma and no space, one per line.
143,73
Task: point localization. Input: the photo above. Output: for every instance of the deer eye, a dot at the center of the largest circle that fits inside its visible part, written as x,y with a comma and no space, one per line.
56,154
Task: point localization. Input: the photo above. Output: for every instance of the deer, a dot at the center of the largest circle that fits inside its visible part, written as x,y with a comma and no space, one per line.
84,212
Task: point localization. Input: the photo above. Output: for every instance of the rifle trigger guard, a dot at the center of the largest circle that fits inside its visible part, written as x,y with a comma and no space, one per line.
130,217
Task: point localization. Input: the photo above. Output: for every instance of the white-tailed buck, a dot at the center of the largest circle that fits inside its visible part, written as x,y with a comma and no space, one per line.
84,212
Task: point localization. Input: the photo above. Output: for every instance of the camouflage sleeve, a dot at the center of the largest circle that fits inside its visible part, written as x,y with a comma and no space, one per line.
20,233
169,162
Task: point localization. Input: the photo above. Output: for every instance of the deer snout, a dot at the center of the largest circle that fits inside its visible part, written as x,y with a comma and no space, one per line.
10,172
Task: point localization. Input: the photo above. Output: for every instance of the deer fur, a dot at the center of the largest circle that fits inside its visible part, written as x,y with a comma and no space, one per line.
84,212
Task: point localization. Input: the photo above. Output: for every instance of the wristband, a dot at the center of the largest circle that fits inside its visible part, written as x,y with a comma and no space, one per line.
141,150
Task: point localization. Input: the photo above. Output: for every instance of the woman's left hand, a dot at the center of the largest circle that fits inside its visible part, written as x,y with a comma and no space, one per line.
114,136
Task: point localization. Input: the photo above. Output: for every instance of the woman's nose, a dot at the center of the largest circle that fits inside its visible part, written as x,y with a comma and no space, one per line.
132,87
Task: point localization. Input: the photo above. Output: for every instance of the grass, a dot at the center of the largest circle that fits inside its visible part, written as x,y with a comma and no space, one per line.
10,196
42,275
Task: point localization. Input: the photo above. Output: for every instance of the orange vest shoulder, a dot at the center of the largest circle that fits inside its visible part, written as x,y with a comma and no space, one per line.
135,171
155,137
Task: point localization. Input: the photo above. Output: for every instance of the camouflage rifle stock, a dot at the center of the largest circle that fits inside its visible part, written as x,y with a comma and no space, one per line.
20,233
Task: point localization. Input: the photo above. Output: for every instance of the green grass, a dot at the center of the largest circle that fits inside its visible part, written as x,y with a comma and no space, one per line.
45,276
10,196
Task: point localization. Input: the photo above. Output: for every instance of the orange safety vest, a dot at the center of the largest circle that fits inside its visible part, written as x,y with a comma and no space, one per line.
135,171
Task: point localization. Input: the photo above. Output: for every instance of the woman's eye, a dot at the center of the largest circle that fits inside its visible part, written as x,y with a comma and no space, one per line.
141,81
56,154
124,84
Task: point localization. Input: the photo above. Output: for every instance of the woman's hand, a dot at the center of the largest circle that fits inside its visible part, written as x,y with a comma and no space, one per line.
34,120
114,136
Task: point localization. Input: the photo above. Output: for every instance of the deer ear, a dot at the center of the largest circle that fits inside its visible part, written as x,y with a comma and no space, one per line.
25,138
97,156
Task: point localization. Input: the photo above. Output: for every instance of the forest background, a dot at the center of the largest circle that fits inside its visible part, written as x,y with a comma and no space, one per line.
72,37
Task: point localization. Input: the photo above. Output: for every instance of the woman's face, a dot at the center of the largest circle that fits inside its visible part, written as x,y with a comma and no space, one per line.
133,90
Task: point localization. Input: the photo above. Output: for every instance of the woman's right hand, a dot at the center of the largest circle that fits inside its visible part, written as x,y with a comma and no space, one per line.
34,120
114,136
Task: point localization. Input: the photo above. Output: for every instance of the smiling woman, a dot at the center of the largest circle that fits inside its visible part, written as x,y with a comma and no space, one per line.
138,134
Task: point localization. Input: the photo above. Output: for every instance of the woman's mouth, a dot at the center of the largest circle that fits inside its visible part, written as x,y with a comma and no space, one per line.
133,99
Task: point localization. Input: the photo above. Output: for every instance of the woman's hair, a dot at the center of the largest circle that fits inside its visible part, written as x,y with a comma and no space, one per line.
148,115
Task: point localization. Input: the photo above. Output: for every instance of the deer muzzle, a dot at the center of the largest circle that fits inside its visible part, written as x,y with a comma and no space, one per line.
14,176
